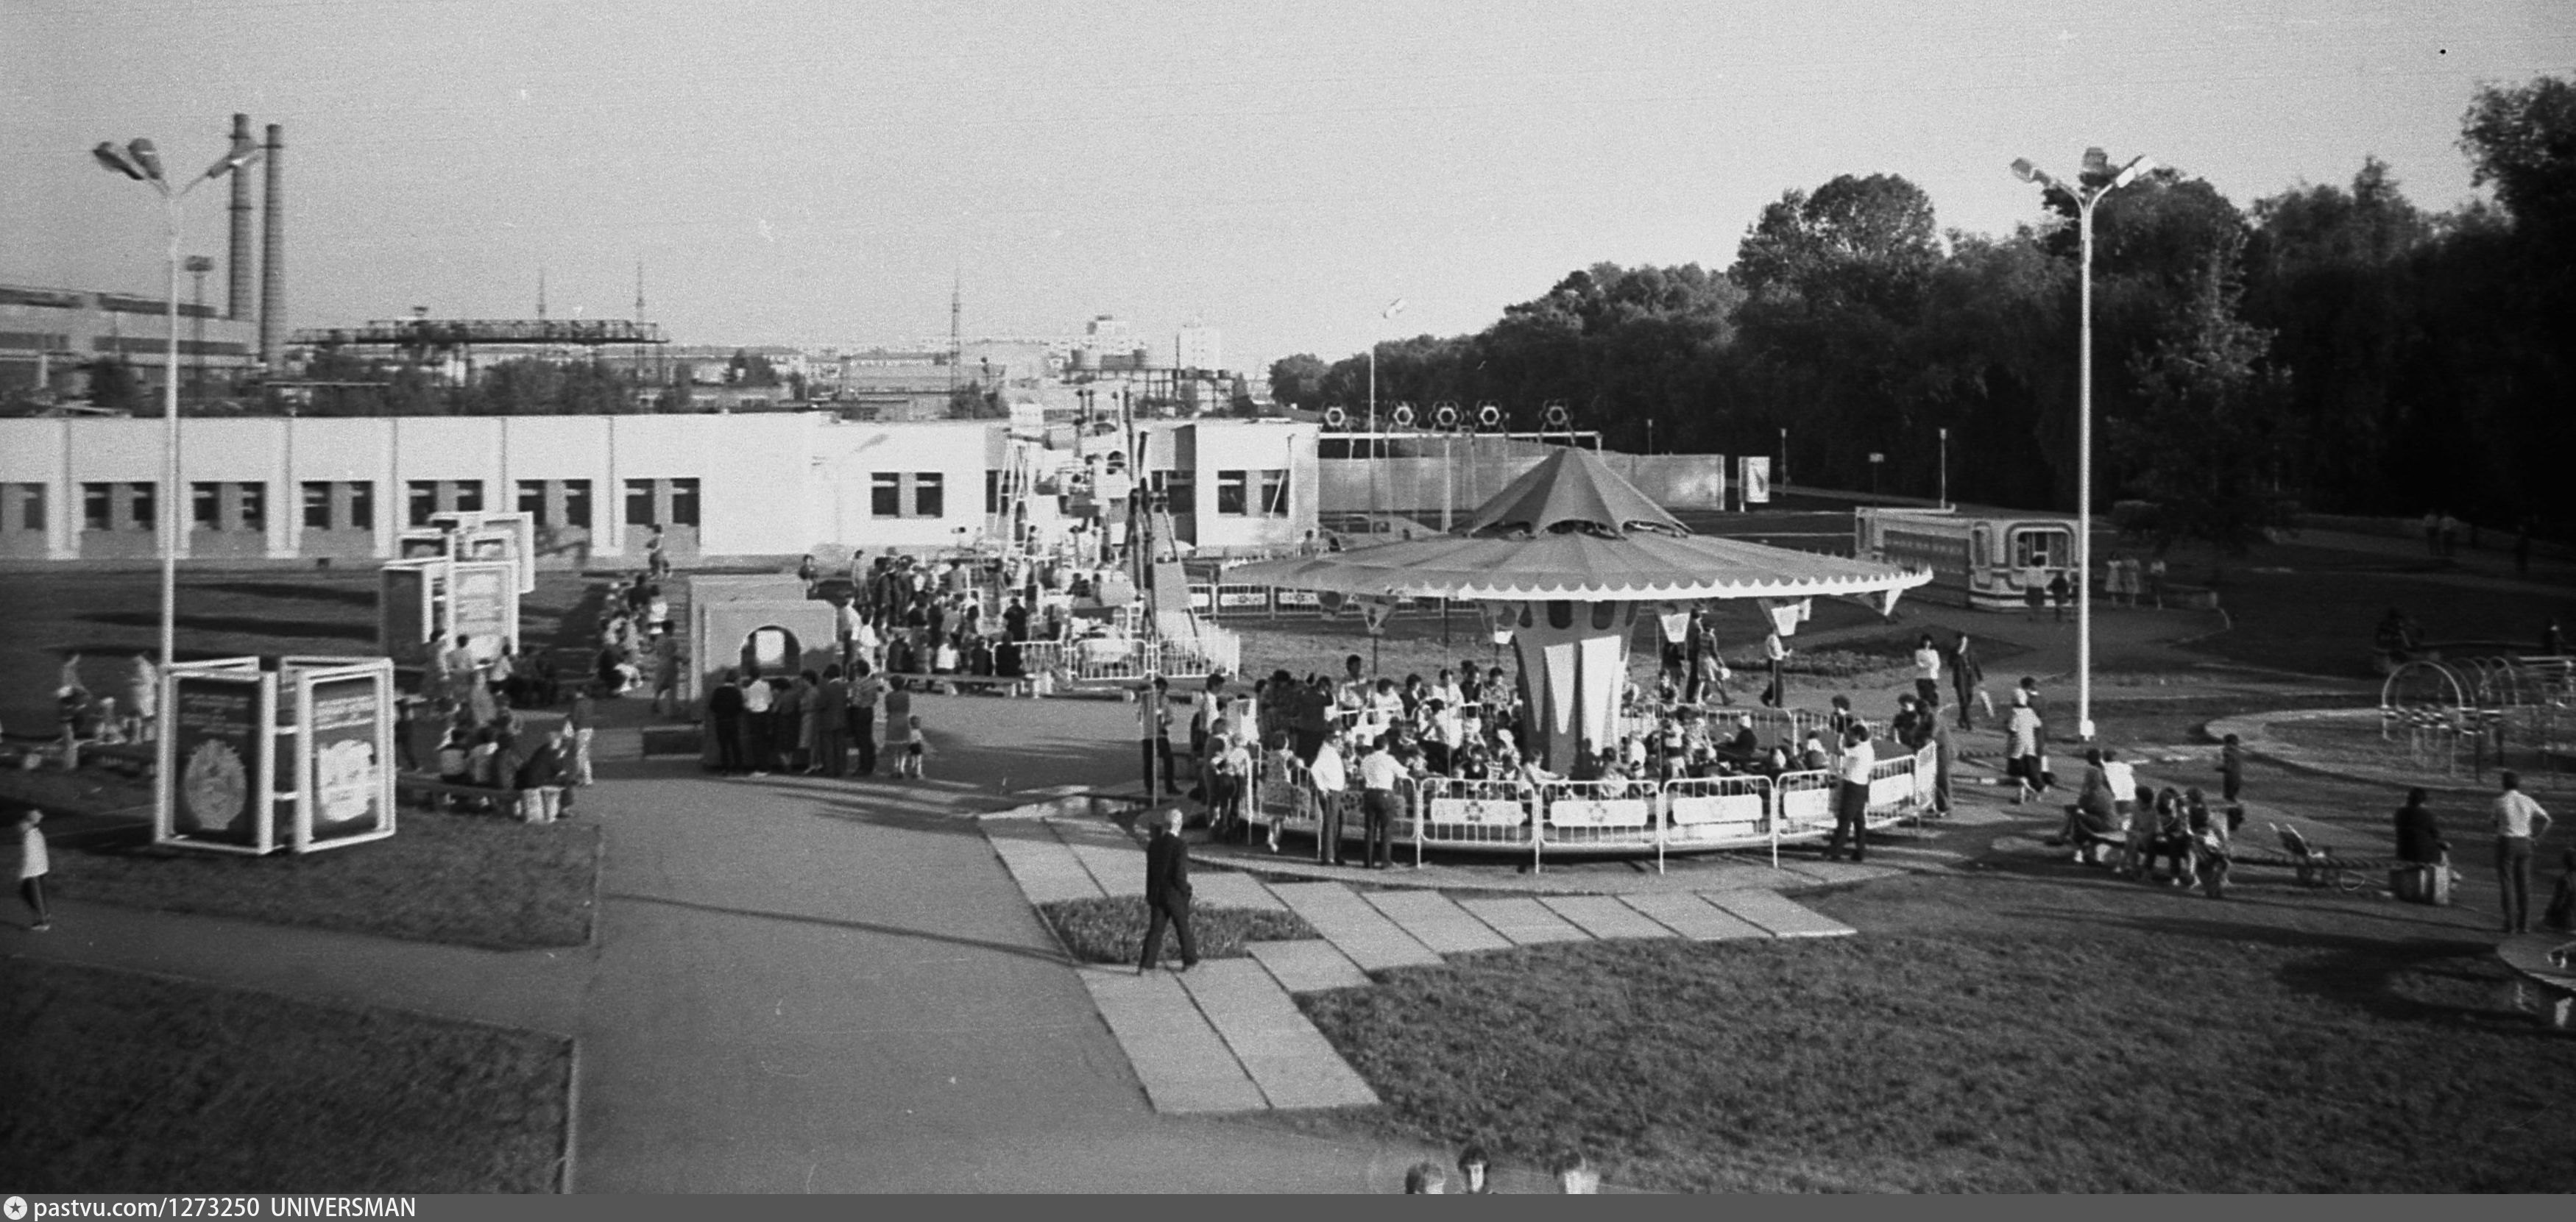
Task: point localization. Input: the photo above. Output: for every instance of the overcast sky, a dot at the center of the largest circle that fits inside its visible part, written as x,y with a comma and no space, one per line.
816,171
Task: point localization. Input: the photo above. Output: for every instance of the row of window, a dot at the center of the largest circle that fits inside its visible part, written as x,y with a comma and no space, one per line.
1246,493
332,505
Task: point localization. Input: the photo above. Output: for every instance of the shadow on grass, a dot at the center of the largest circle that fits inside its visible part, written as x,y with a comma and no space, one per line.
2353,970
343,594
259,625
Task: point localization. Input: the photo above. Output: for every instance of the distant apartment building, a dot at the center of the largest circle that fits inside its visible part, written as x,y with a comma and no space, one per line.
1198,347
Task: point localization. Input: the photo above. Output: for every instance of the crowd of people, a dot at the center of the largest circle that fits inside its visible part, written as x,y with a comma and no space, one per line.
972,615
487,742
1367,735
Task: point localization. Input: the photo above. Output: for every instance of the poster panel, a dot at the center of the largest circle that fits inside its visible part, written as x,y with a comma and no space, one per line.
402,609
1757,480
220,781
481,605
341,790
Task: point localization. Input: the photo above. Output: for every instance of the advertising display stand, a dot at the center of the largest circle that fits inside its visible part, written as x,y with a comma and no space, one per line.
264,756
463,574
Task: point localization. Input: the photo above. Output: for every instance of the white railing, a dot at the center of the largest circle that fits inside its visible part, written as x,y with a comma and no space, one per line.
1695,814
1721,811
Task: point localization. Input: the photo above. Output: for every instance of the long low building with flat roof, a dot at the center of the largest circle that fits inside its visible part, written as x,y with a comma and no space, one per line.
760,486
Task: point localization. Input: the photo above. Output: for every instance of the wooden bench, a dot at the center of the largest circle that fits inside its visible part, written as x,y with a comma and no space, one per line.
1007,685
2529,955
140,759
672,740
504,802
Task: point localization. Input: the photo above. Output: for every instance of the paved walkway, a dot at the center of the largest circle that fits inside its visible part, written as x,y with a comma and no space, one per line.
805,986
1226,1036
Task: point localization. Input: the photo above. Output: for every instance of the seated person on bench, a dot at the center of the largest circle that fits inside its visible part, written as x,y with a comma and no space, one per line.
1744,749
2094,816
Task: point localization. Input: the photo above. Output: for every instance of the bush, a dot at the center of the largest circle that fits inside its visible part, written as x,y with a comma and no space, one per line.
1112,930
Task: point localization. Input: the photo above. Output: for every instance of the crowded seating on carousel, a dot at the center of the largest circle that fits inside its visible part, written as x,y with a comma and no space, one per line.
1568,757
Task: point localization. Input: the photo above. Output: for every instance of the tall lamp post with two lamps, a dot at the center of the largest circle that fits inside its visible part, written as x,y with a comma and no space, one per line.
2098,171
141,162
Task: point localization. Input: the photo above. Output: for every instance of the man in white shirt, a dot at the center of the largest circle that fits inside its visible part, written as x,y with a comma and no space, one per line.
1851,796
1776,651
1330,783
757,699
1927,675
2519,825
1379,803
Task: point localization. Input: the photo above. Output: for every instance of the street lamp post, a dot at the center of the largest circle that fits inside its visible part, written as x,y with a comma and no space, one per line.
1945,468
2097,167
139,161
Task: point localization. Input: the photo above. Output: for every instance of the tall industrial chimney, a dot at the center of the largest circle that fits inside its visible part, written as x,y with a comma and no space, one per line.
238,260
272,255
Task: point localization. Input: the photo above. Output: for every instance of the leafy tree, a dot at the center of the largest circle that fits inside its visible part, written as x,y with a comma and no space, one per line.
2521,140
748,368
1298,381
2207,440
972,402
1857,239
113,385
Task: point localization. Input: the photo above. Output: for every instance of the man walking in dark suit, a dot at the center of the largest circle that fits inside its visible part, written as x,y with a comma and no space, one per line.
724,721
1167,894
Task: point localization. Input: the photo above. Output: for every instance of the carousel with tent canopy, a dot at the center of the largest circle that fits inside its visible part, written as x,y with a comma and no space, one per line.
1565,559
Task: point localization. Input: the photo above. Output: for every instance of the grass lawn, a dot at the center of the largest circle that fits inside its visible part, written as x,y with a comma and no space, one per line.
109,616
2313,609
1998,1034
471,880
464,879
1113,930
127,1083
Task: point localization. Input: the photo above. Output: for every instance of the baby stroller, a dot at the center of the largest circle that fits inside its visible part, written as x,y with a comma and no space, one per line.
2316,867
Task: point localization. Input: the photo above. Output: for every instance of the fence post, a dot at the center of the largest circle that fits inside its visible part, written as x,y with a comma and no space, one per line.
1659,808
1538,823
1773,804
1415,807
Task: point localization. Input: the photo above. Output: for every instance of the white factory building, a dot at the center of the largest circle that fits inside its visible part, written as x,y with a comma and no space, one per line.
760,486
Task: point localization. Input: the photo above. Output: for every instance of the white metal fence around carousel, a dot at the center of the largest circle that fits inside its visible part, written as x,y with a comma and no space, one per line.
1696,814
1132,660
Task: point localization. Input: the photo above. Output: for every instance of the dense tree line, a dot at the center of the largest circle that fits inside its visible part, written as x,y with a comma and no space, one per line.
2332,346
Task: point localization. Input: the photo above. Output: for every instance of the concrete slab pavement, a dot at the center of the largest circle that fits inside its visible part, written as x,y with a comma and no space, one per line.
1783,917
1436,921
1046,870
1292,1062
1308,965
1182,1059
1695,918
1525,922
1603,916
1372,941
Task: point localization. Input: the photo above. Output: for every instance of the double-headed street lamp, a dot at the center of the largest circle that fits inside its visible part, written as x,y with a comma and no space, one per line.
139,161
2104,180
